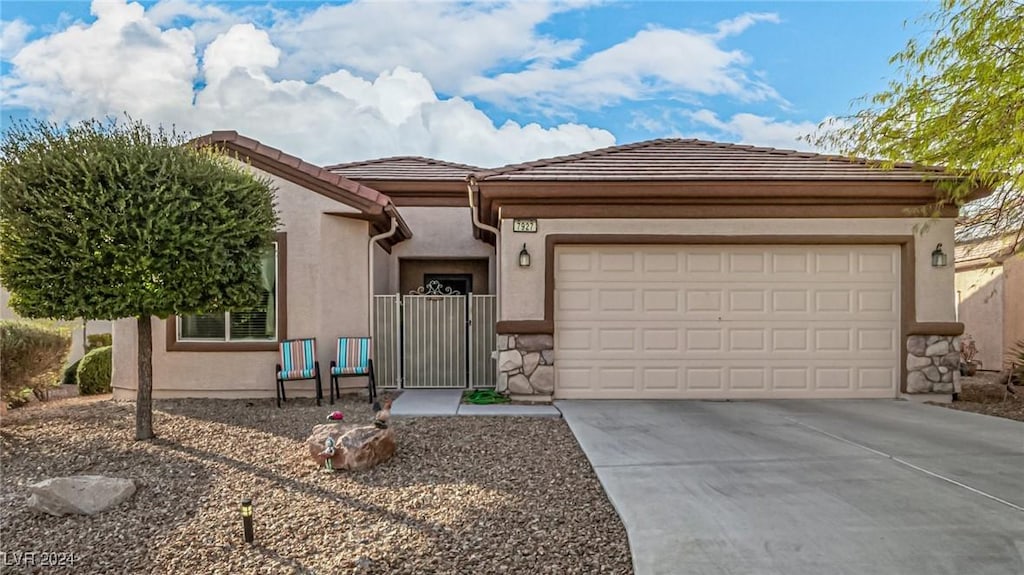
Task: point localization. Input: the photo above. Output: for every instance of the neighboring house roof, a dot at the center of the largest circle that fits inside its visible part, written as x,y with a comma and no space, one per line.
413,180
675,159
373,205
984,251
404,168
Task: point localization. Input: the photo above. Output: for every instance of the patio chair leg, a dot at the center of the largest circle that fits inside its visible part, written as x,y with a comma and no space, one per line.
372,384
279,391
319,388
332,382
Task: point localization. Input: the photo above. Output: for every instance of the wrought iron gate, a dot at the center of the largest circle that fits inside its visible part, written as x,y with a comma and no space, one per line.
432,339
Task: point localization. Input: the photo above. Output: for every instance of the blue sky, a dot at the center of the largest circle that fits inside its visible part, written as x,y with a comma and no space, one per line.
477,83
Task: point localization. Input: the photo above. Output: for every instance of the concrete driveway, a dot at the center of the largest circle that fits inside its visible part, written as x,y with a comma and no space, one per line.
809,487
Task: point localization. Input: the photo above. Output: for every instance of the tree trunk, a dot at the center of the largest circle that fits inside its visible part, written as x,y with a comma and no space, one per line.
144,399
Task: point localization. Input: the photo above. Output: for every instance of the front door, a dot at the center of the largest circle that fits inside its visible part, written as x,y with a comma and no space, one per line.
451,283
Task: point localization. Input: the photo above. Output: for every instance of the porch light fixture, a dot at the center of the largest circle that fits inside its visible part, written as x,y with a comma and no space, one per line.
939,259
524,257
247,519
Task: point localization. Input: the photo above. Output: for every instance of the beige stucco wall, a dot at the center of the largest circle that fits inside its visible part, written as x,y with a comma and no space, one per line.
383,262
326,273
441,232
78,339
523,288
1013,305
980,297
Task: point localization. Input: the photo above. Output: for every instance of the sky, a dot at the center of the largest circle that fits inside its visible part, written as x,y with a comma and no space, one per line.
478,83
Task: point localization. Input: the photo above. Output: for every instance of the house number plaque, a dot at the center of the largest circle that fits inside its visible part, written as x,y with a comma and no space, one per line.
524,225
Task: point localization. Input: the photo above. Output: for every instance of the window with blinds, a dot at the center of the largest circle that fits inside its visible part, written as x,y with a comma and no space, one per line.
257,324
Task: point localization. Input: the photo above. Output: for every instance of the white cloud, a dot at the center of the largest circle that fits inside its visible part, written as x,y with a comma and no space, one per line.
739,24
124,61
206,21
446,41
681,64
13,34
757,130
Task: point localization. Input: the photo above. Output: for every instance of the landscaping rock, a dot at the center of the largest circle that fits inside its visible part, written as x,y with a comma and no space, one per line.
352,448
463,494
79,494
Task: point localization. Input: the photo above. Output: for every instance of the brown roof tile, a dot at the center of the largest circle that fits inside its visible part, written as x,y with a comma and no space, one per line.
358,194
374,204
676,159
404,168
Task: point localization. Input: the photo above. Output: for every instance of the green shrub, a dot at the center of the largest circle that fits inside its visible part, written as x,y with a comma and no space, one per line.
98,340
31,356
94,371
71,373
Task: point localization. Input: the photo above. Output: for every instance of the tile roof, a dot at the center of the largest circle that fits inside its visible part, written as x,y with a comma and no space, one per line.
404,168
676,159
985,250
359,196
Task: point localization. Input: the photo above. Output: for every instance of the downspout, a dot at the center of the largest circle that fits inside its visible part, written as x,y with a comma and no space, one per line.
472,188
390,211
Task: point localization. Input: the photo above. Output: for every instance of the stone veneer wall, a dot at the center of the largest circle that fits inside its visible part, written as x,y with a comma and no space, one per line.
526,364
933,363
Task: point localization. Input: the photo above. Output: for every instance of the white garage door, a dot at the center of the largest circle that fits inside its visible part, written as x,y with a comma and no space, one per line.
726,321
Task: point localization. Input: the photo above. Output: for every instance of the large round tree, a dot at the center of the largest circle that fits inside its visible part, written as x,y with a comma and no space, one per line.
108,220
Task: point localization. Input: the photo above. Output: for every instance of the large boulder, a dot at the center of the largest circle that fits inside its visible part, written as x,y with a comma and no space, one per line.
79,494
354,447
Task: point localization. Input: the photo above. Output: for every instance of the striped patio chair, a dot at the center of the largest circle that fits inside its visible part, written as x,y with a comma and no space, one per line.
354,359
298,362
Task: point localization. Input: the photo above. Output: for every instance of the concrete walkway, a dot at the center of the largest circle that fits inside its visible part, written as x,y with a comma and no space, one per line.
809,487
448,402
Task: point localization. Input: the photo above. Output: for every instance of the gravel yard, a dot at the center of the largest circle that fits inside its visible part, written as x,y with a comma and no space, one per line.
981,394
462,495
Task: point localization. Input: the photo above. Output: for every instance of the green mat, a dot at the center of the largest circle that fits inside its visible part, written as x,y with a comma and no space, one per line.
484,397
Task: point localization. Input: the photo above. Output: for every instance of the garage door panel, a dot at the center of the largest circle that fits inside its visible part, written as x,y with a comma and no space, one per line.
748,379
727,321
732,340
715,381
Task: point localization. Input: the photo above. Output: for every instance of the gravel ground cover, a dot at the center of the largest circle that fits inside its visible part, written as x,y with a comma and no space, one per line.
462,495
981,394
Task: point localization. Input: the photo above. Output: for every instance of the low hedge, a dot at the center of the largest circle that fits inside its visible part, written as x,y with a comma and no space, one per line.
97,340
33,354
94,371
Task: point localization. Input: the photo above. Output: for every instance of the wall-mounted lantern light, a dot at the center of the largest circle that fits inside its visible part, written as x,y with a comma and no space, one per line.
247,519
524,257
939,259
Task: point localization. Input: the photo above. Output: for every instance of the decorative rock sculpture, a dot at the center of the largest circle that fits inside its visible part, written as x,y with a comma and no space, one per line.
336,446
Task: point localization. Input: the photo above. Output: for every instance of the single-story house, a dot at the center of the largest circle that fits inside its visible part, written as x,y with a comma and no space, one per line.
669,268
990,296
